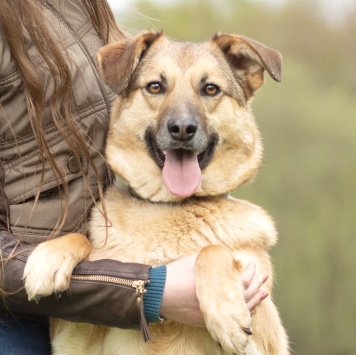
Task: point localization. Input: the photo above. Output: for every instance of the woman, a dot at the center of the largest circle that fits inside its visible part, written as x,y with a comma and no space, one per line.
54,112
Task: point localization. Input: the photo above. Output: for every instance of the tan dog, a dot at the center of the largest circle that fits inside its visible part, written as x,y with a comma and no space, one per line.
182,135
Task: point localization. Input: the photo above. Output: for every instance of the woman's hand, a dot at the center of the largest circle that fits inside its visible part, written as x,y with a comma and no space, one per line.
180,303
252,284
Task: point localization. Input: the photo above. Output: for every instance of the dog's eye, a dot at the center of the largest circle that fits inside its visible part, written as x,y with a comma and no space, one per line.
155,88
210,90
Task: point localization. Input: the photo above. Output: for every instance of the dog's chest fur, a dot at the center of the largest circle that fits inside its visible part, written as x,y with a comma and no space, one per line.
153,233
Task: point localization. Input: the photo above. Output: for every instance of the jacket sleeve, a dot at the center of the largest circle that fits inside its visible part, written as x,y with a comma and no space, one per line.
104,292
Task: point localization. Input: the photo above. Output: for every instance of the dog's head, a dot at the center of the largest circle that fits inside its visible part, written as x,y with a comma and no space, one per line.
182,123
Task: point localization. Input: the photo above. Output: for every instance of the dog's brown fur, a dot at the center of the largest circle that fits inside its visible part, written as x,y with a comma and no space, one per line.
153,224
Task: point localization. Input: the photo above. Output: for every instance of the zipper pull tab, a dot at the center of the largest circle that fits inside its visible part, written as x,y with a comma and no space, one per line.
139,285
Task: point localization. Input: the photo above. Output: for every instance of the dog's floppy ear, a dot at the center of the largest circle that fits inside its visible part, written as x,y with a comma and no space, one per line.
248,59
117,61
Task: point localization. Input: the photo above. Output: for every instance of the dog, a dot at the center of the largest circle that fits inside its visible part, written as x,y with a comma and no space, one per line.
182,136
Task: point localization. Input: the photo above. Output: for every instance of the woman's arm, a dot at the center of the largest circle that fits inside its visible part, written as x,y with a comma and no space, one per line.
96,302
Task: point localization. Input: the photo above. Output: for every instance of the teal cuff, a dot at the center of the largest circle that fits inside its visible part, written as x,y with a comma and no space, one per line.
153,296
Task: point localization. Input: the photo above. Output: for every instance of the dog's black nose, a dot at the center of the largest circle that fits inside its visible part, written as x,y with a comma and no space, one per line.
182,129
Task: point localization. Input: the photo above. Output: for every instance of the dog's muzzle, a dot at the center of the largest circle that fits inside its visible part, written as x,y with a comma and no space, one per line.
181,151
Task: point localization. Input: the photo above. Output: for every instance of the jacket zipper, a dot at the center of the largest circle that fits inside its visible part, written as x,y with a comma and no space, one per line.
83,48
138,285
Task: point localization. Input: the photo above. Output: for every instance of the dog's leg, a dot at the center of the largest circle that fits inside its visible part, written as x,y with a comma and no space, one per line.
50,265
220,294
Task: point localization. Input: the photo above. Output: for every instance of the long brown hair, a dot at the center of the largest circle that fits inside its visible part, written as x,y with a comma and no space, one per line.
19,15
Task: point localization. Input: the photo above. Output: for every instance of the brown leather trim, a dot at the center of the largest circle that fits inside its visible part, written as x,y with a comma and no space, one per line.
100,303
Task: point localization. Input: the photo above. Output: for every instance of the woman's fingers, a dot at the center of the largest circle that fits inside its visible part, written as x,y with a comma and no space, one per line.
252,284
256,300
248,275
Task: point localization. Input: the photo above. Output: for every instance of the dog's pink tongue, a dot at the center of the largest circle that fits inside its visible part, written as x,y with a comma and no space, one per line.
181,173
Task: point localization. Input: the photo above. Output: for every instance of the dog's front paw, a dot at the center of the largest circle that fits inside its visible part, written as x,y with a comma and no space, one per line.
49,268
228,322
220,294
47,272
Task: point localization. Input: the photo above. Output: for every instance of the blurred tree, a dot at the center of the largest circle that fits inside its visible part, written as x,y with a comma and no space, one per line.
308,177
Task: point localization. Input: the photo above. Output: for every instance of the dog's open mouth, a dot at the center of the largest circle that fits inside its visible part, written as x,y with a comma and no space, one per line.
181,168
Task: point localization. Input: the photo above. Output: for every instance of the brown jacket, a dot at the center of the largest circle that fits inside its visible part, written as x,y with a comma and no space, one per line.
20,176
18,148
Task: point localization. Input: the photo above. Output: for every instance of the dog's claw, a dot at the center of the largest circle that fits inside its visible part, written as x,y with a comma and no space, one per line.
37,298
58,295
247,331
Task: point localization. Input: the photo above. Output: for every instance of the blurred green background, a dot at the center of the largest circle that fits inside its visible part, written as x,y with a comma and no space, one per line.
308,122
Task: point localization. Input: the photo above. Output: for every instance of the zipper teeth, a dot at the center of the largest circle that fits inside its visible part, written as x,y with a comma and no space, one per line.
103,278
138,285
